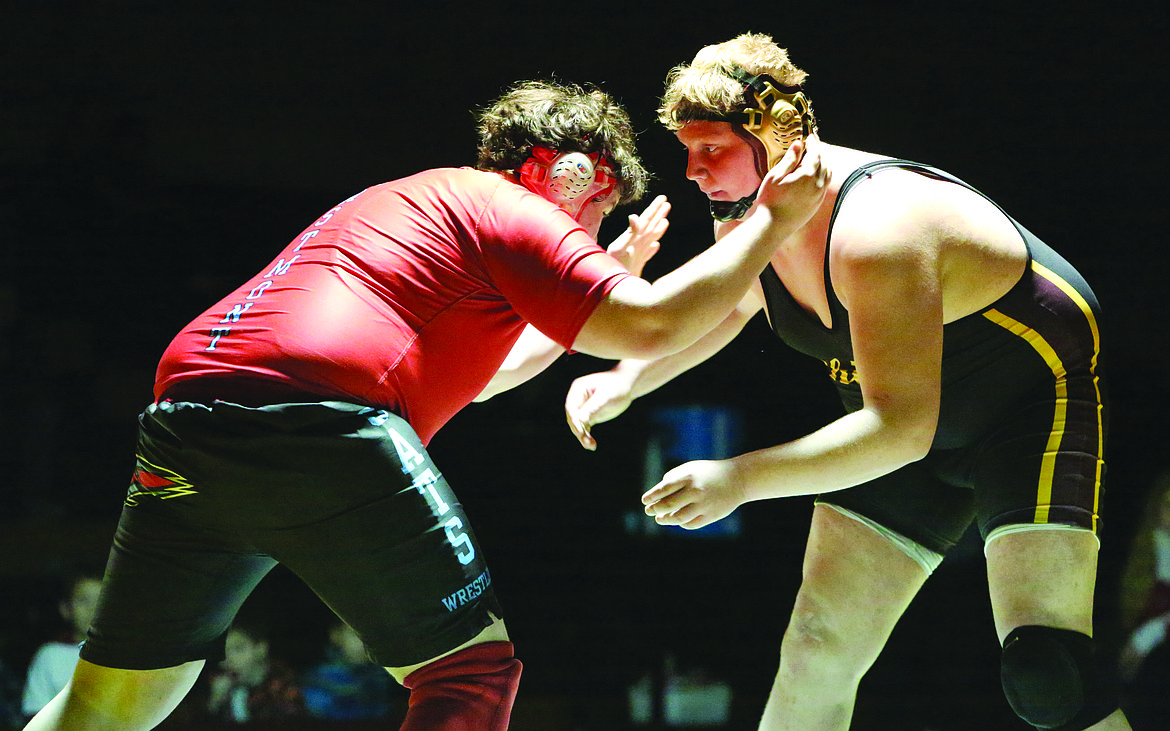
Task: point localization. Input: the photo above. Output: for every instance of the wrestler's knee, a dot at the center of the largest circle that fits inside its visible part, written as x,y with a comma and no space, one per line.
1053,679
816,648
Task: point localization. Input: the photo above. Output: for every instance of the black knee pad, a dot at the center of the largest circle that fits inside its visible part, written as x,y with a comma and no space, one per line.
1052,680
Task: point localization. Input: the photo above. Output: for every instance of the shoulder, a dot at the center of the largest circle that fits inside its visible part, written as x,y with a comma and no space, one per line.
889,195
896,211
887,218
438,180
482,200
439,183
510,210
888,236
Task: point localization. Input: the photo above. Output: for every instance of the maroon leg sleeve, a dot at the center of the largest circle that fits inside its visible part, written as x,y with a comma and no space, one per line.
470,690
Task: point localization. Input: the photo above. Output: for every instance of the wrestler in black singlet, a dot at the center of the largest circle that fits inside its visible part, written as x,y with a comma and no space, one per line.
1021,430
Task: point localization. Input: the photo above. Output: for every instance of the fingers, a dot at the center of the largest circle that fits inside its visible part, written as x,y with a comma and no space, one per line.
688,516
580,429
689,496
795,193
658,208
637,223
653,219
803,155
661,498
684,514
792,159
812,162
578,416
585,438
639,242
658,492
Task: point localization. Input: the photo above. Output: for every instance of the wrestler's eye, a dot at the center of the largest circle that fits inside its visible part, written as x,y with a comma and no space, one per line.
602,199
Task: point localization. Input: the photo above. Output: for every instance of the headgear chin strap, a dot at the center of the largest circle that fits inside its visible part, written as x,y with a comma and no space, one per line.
567,179
774,116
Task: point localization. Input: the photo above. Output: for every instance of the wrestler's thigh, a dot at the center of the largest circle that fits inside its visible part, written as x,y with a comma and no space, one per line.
396,557
856,583
1043,577
1043,465
170,592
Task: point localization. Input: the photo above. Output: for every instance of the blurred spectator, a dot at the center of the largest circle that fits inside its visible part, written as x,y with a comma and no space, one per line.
347,686
52,666
10,712
1145,606
249,685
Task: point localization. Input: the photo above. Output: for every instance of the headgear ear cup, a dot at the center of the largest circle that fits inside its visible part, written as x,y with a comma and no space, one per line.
568,180
774,114
569,176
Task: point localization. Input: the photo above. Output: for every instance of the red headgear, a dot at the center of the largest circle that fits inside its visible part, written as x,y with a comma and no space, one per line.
568,179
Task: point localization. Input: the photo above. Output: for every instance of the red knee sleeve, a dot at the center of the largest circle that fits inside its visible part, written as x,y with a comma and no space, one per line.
470,690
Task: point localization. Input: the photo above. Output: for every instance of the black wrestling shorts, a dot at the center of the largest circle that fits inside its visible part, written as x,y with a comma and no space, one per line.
343,495
1042,464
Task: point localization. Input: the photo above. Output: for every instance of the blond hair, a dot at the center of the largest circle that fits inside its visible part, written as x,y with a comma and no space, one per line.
706,88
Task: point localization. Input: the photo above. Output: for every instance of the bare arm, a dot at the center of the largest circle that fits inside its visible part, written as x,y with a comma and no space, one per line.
533,351
649,321
599,397
889,280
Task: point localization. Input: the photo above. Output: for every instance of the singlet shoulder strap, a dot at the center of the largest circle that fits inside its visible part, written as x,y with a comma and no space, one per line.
865,172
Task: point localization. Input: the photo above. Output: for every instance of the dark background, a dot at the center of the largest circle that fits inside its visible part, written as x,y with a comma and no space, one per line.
154,155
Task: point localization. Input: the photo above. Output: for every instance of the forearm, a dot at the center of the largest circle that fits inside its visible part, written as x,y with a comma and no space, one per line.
856,448
699,295
646,376
650,321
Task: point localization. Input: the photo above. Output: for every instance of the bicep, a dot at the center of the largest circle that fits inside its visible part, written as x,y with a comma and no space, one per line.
894,298
713,342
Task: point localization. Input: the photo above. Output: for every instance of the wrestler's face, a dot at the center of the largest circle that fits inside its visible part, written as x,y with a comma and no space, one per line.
720,162
595,211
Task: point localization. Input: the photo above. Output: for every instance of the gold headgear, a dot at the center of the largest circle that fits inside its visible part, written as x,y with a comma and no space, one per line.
775,114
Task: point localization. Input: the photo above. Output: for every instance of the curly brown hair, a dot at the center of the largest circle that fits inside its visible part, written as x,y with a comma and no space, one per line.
706,88
563,117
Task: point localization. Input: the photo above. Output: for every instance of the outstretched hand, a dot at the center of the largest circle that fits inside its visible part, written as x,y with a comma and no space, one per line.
639,242
695,494
593,399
